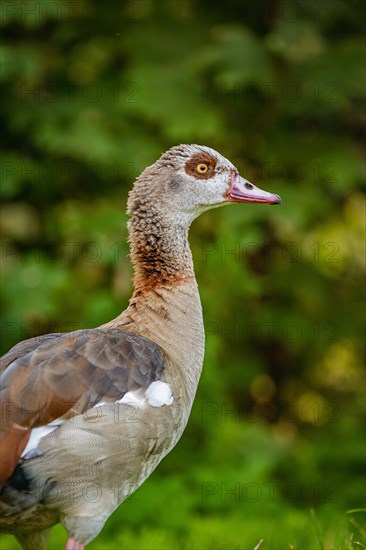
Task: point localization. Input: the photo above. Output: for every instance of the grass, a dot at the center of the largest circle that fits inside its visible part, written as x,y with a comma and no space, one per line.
292,530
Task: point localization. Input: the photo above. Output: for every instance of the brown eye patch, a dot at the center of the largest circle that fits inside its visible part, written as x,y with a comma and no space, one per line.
196,166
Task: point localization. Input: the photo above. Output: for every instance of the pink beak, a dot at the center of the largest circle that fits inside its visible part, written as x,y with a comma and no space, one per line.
243,191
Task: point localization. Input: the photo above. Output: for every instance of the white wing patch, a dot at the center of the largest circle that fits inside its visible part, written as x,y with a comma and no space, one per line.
158,394
36,435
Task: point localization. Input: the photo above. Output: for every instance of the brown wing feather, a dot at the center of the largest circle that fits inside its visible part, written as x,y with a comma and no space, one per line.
25,347
66,375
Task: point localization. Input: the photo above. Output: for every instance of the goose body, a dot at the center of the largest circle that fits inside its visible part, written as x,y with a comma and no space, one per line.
88,415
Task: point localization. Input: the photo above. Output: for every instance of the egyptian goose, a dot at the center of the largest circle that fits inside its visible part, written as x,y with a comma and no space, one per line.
88,415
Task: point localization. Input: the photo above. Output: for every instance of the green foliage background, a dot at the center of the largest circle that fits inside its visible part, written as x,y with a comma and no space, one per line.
94,92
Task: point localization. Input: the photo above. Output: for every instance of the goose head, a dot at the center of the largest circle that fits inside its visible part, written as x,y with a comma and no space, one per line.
189,179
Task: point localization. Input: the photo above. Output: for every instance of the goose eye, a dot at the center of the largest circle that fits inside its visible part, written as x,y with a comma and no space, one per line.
202,168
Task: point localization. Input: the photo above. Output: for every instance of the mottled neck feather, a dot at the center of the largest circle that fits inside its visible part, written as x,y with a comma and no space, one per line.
160,251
